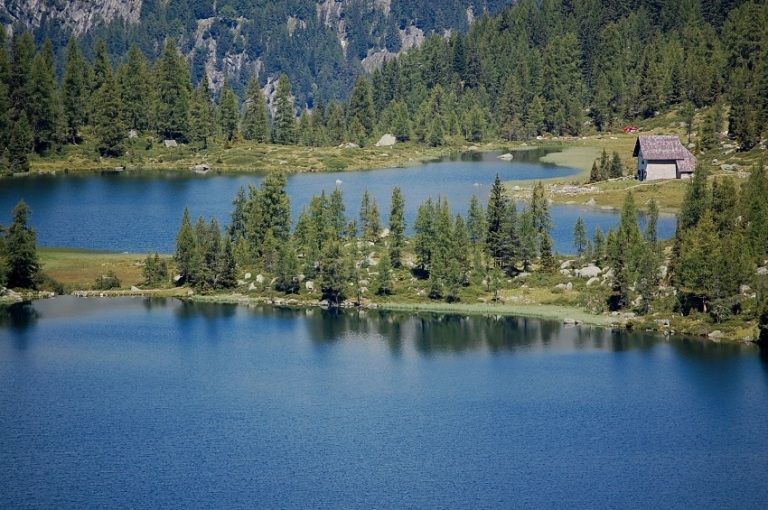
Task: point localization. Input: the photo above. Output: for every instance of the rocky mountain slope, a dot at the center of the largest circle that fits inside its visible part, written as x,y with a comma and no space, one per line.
321,45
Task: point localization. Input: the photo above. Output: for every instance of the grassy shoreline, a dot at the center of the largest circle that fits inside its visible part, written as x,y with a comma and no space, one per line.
78,269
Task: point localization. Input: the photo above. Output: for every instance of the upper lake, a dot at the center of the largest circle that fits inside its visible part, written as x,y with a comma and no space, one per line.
138,403
140,212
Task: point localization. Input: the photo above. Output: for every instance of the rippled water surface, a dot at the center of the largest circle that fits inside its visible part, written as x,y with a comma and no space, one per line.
140,212
135,403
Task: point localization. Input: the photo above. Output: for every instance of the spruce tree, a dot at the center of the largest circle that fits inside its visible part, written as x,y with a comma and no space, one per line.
361,108
21,250
255,123
397,227
285,119
497,240
187,252
107,122
228,113
135,90
173,93
580,237
384,279
20,145
75,90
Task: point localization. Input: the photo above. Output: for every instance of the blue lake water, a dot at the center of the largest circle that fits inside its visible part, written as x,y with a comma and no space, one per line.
140,212
135,403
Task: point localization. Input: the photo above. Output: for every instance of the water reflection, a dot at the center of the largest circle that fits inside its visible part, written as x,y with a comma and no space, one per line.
18,315
425,333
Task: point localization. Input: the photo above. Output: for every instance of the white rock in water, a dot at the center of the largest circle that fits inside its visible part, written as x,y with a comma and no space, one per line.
506,157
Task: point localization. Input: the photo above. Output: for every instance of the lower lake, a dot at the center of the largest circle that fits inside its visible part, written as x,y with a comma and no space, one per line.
140,212
139,403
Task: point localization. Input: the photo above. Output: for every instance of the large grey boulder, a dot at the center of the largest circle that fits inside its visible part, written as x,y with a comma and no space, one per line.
387,140
590,271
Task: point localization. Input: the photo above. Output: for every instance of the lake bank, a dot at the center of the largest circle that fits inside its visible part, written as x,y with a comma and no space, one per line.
549,298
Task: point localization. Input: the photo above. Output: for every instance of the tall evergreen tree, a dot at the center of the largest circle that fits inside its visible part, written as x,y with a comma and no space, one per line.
397,227
75,90
228,113
107,122
135,87
173,93
285,117
497,217
255,123
21,250
361,108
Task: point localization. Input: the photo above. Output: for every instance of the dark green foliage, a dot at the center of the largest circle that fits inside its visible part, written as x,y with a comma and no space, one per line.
284,124
287,272
201,117
229,114
548,263
497,218
171,77
155,271
397,228
20,250
107,281
255,123
335,273
76,90
187,256
616,169
625,254
135,85
20,145
580,237
107,121
384,279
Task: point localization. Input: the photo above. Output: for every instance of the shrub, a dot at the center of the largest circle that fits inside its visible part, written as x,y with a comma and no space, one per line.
107,281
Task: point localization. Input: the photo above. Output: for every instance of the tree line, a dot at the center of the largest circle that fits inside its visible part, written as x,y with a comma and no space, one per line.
555,67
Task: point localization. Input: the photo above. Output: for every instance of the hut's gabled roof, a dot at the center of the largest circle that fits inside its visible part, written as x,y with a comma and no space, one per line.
661,148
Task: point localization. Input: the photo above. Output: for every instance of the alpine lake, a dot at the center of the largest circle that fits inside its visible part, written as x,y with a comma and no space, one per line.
167,403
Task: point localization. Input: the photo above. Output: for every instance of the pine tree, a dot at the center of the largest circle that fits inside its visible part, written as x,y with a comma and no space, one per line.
755,211
107,122
20,145
75,90
255,123
337,217
187,252
135,90
424,234
22,55
580,237
201,114
21,250
287,272
496,220
229,113
42,97
616,169
548,264
397,227
285,117
384,278
361,108
173,93
335,273
476,226
594,174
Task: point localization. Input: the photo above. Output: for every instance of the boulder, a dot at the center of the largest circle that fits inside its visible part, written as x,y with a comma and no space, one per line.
591,202
567,264
240,283
506,157
247,276
259,278
135,289
387,140
309,285
762,271
170,143
590,271
565,272
252,286
593,281
349,145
